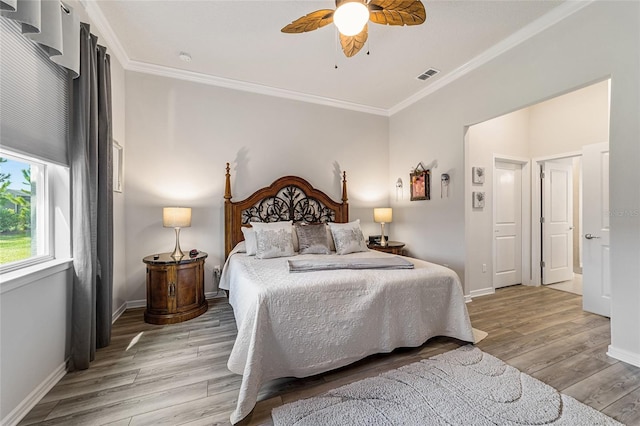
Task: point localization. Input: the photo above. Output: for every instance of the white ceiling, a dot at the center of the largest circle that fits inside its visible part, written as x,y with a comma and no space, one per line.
240,43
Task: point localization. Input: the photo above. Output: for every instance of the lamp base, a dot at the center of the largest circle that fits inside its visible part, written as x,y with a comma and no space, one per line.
177,253
383,241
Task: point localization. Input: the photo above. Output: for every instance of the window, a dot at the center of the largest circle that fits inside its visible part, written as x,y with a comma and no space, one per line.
24,211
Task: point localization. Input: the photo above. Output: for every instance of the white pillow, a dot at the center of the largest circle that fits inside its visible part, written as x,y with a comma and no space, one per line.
348,237
250,240
296,242
273,239
241,247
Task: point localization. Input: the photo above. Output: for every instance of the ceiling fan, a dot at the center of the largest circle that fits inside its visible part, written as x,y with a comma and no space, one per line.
351,17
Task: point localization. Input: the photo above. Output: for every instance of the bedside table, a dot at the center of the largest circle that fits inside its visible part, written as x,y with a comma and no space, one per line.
175,288
393,247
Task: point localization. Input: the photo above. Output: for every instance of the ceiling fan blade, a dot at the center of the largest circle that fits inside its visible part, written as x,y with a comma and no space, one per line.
397,12
310,22
352,44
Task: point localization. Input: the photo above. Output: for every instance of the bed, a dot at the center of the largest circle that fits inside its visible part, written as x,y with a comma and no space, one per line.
301,324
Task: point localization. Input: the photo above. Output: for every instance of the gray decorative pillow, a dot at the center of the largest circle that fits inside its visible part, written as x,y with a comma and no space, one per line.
273,239
348,237
250,240
312,238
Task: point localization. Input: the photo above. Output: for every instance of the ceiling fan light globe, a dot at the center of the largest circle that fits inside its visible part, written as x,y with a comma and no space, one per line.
351,17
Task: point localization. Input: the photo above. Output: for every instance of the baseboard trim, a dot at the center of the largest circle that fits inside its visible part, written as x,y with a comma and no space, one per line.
214,294
21,411
118,312
482,292
467,298
624,356
137,303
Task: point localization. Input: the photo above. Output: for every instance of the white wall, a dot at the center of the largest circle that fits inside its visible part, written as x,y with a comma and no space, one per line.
507,135
596,42
33,320
120,292
181,134
568,122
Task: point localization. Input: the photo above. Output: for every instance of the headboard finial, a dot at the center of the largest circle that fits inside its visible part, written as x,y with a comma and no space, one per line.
344,187
227,185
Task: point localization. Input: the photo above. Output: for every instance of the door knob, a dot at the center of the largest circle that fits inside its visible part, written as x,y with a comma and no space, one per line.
590,237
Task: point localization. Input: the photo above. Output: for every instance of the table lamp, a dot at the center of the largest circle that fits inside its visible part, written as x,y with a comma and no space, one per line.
176,218
382,215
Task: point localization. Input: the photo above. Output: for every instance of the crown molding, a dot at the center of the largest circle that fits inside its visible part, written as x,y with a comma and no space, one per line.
112,41
98,19
547,20
551,18
261,89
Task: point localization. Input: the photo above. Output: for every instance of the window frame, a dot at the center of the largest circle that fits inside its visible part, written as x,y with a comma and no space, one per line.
44,221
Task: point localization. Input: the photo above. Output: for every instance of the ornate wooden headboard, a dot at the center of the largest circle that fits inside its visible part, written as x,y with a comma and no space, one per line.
288,198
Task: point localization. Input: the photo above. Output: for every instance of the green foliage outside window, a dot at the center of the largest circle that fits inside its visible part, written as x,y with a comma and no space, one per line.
15,212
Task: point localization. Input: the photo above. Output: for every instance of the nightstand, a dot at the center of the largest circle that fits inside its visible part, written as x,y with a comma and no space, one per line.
393,247
175,288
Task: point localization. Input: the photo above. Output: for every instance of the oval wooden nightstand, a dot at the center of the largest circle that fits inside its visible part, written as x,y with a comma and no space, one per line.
393,247
175,288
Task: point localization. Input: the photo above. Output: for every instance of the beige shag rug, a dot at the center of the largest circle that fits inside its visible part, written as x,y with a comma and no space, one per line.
462,387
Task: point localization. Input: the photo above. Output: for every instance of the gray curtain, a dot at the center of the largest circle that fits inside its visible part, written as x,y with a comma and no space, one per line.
90,151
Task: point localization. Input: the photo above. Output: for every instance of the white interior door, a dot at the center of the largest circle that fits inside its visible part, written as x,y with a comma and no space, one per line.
507,213
557,223
596,282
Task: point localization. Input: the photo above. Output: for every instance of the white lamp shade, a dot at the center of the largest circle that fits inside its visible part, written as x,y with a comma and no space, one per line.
351,17
383,215
176,217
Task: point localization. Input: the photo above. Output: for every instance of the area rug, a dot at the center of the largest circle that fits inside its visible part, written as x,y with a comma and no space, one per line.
462,387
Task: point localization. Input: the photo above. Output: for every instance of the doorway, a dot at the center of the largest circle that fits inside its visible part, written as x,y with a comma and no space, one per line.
554,129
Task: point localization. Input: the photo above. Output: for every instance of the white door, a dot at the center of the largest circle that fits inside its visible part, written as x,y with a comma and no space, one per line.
596,282
557,222
507,226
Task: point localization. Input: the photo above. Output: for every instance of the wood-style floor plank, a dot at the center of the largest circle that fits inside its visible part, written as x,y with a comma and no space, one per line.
176,374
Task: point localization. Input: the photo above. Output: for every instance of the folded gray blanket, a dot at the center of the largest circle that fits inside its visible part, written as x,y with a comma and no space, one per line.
395,262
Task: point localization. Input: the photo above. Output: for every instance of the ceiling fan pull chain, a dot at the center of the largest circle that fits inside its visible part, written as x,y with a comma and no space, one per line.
335,51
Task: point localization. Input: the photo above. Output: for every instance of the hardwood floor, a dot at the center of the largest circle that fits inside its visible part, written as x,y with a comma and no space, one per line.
176,374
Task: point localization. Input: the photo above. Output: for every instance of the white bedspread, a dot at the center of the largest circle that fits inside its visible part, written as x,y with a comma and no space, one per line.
304,324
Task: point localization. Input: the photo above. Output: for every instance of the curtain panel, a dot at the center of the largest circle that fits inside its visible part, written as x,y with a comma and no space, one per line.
90,150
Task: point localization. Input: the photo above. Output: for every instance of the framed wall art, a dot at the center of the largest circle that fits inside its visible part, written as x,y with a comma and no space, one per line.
118,163
477,174
420,180
478,199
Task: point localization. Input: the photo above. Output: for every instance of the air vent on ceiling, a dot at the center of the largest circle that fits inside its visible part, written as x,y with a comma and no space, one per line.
428,74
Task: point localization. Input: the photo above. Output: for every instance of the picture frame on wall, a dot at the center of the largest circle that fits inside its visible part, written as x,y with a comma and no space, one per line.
477,174
478,199
118,163
420,184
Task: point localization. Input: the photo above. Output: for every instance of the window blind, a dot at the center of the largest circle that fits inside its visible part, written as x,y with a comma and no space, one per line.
34,98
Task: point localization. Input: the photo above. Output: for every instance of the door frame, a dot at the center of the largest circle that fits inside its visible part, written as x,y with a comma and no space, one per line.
536,214
525,213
